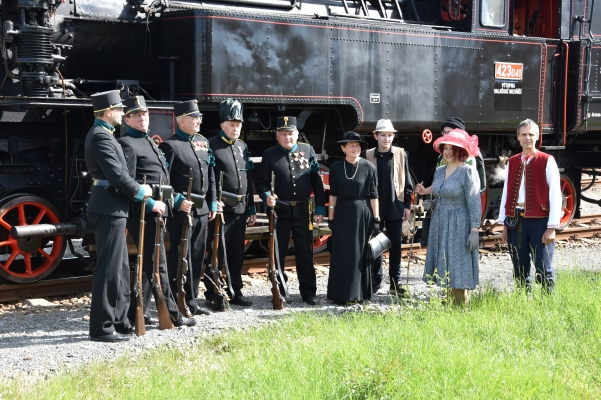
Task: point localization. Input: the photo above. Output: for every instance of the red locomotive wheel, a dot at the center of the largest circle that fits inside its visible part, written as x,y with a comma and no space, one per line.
427,136
568,201
28,260
321,242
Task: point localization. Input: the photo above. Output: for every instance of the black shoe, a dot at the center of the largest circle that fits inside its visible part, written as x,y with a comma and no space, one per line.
150,320
311,300
183,321
240,300
113,337
130,330
398,290
202,311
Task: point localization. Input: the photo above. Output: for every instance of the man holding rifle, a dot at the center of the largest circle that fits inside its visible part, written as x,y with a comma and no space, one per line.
233,159
296,175
107,208
145,159
184,151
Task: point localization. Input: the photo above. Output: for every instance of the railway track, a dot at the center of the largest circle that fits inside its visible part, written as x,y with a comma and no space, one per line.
587,226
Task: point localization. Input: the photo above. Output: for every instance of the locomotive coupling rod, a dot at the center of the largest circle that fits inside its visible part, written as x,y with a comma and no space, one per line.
46,230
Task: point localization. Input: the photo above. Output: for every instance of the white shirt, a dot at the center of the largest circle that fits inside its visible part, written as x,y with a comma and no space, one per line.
555,195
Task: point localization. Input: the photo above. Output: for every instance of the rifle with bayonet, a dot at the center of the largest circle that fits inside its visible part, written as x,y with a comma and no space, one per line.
218,297
140,327
182,267
165,321
277,300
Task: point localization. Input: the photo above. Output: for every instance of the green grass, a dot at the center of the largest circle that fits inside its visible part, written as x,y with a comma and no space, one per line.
504,345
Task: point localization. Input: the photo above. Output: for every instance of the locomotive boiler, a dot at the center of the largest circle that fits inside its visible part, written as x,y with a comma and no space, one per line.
337,65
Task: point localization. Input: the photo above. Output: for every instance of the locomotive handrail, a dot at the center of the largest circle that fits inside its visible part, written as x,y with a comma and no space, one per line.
289,5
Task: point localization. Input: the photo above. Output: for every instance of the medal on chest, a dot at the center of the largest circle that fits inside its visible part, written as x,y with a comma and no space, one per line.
200,146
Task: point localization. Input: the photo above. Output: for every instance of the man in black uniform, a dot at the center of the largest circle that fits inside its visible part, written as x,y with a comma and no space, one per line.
144,158
296,175
184,150
108,205
233,159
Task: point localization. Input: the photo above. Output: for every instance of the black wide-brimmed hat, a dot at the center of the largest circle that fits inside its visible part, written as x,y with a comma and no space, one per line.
453,123
135,104
286,123
230,110
352,137
105,100
186,109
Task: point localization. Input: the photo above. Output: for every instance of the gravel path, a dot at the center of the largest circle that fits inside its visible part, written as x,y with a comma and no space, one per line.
37,342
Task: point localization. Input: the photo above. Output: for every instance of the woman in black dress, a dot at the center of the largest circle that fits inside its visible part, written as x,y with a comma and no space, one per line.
353,217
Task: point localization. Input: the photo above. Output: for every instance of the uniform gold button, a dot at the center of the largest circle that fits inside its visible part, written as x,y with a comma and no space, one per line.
295,193
294,184
293,169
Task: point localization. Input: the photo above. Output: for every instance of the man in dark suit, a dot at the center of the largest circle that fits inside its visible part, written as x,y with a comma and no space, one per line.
296,175
144,158
233,159
107,208
184,150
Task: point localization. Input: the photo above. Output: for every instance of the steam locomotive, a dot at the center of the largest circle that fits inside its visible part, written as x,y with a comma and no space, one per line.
337,65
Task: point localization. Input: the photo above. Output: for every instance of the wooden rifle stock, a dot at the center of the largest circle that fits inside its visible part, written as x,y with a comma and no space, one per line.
165,321
140,325
277,299
218,298
182,267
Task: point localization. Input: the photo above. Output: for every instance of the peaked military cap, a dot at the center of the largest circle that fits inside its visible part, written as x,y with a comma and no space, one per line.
187,108
287,123
135,104
105,100
230,110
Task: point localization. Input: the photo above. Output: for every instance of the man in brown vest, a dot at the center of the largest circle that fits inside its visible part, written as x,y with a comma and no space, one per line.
394,190
531,209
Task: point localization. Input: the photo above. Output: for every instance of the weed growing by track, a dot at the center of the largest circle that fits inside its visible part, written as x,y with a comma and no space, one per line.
504,345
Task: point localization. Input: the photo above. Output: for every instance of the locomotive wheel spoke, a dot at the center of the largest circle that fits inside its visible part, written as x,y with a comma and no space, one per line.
39,217
21,209
42,252
8,262
5,225
27,259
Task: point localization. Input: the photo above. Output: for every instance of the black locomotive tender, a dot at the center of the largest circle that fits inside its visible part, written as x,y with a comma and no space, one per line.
337,65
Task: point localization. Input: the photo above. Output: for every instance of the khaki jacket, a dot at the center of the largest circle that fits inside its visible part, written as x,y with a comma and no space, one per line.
398,177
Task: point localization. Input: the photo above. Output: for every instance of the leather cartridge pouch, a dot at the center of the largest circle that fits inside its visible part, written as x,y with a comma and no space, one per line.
197,199
166,189
378,245
231,199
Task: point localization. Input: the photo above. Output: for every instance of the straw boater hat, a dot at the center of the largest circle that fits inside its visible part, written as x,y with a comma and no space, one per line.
459,138
352,137
384,125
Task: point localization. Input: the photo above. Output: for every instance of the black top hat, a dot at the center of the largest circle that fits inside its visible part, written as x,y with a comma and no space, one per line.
187,108
453,122
135,104
230,110
352,137
105,100
287,123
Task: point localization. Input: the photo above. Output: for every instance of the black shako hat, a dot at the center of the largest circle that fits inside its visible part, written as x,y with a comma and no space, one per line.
135,104
187,108
105,100
230,110
453,123
352,137
286,123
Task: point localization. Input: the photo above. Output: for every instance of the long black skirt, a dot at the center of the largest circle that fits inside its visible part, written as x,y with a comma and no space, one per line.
350,272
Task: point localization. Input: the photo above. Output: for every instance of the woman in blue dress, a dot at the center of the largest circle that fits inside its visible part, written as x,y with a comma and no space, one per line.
452,258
